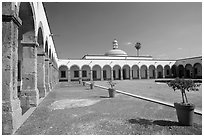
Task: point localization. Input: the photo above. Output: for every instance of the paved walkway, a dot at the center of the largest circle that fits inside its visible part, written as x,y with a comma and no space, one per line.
77,110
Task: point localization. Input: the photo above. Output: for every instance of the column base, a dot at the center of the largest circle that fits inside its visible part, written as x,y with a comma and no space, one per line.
42,91
47,87
31,97
11,116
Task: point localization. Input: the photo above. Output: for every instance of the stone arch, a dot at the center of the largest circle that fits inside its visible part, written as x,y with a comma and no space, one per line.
116,72
63,73
152,74
107,72
96,72
188,71
159,71
135,72
180,71
143,72
86,72
74,72
167,71
174,71
27,57
126,72
197,67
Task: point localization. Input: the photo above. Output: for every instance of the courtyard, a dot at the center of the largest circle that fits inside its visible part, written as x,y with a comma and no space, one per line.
74,109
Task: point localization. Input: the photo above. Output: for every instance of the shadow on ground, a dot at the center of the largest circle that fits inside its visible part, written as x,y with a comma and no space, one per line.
146,122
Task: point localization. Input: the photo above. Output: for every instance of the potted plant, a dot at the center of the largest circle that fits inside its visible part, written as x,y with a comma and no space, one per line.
111,90
184,109
92,84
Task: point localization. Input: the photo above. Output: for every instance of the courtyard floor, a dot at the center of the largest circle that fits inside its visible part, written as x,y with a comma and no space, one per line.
74,109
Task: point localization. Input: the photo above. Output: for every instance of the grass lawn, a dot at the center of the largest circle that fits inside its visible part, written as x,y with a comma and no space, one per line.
159,91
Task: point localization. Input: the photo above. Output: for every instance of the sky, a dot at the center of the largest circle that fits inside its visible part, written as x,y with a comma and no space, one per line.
165,30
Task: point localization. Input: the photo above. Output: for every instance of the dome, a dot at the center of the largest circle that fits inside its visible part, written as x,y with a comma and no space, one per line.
116,52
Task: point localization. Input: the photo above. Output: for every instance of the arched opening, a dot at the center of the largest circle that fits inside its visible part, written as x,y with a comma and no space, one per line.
106,72
143,72
180,71
159,71
96,72
74,72
117,72
126,72
152,72
167,71
135,72
188,71
86,73
173,71
63,73
26,66
197,67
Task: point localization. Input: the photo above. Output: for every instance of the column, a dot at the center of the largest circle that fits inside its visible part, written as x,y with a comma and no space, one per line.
29,77
147,73
163,72
69,75
121,73
111,74
11,110
130,73
80,76
41,74
47,75
102,75
139,74
91,75
50,74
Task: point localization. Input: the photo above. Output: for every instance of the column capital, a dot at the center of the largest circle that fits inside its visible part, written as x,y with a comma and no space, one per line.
29,44
14,18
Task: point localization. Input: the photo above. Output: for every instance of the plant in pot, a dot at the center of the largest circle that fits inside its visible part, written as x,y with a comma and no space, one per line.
111,90
92,84
184,109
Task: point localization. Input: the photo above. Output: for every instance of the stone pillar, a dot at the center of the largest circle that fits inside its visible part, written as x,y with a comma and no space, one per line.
121,74
29,77
41,74
80,76
163,73
91,75
69,75
102,75
147,73
47,75
139,74
130,73
111,72
11,110
50,74
156,75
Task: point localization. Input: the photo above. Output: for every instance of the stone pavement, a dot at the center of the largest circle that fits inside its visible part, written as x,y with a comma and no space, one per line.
76,110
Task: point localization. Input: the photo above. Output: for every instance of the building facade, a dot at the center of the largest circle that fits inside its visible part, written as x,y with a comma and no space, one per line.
117,65
29,61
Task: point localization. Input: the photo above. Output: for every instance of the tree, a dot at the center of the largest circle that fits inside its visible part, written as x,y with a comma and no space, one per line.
138,47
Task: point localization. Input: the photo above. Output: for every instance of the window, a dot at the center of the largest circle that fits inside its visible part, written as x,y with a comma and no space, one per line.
167,72
63,74
84,74
76,73
19,70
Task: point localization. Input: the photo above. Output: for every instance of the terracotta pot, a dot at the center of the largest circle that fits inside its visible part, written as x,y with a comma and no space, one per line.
111,92
91,86
185,113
